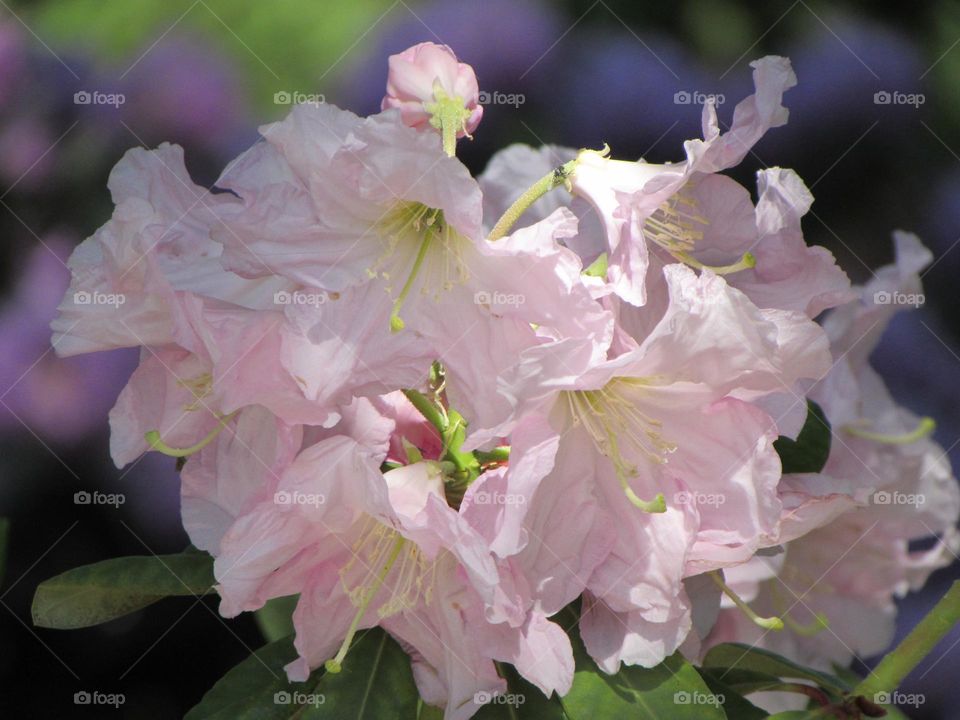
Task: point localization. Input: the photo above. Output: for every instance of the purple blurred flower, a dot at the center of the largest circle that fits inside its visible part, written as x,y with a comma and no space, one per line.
61,399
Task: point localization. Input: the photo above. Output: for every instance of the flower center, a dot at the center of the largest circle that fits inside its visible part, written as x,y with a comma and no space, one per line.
380,548
200,387
674,226
413,229
408,578
616,424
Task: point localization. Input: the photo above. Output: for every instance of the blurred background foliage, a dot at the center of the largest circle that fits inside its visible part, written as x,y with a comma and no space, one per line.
205,73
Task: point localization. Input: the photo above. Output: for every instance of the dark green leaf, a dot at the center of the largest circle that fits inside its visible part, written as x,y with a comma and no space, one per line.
745,657
257,689
673,689
376,683
741,681
96,593
734,704
275,619
809,452
522,700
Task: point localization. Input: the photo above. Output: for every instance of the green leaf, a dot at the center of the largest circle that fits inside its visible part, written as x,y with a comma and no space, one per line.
522,700
745,657
673,689
275,619
376,683
257,689
741,681
809,452
96,593
734,704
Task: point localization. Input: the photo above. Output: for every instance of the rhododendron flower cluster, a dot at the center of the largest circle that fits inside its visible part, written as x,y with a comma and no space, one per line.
452,406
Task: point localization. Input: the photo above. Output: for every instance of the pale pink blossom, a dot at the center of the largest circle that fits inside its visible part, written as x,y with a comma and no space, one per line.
847,531
660,420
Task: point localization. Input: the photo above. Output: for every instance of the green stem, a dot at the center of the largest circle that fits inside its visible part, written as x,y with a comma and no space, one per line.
427,409
540,188
901,661
499,454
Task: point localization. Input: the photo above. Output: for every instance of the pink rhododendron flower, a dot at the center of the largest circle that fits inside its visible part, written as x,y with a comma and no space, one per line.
661,422
850,528
425,73
363,547
409,423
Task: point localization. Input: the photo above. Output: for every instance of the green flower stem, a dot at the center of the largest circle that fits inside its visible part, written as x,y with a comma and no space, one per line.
540,188
427,409
899,662
499,454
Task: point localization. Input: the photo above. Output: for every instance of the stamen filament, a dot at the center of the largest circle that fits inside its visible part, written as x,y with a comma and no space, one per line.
396,322
745,263
768,623
335,665
156,442
926,426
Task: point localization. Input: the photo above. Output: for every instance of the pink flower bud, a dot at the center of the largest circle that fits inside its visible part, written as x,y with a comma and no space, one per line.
418,73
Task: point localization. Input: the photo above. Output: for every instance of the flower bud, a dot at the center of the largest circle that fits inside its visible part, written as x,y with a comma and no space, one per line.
424,75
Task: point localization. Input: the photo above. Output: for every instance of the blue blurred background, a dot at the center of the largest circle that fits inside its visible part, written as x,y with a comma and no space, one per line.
205,73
